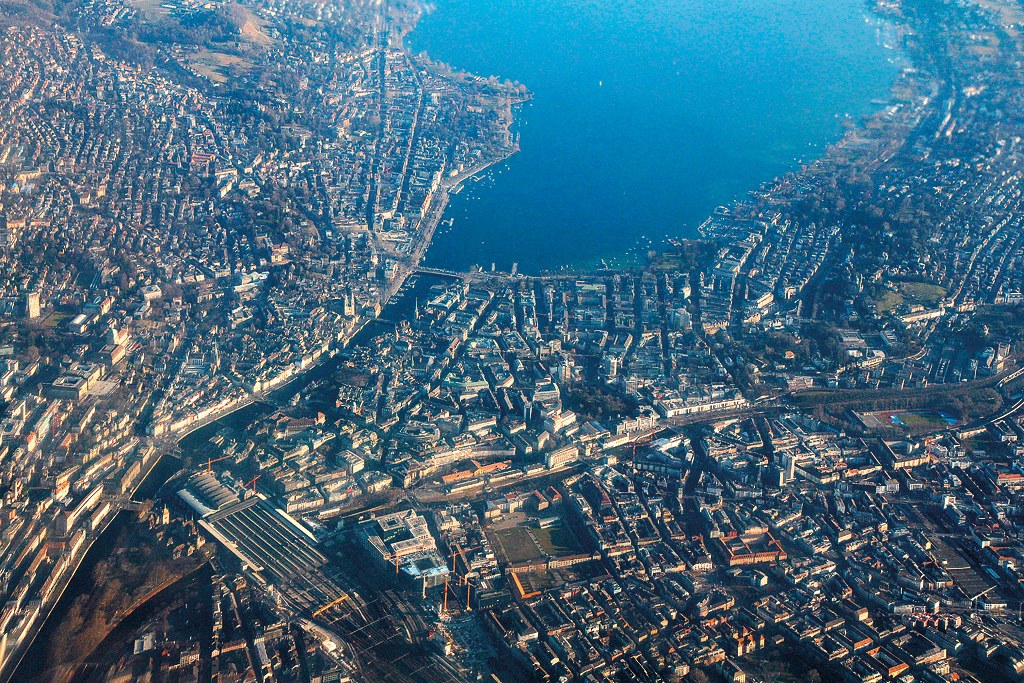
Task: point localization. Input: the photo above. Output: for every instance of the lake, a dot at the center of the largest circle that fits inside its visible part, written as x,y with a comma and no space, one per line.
646,115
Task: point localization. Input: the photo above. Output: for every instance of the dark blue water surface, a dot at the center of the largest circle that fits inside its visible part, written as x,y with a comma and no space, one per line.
647,114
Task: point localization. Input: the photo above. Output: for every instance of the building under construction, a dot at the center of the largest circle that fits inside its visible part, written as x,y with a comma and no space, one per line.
401,543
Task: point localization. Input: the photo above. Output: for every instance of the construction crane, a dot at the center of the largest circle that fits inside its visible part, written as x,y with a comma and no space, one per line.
469,586
213,460
642,441
462,552
328,606
253,482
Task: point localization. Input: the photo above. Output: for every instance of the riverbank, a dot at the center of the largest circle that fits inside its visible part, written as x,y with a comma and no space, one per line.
105,655
90,554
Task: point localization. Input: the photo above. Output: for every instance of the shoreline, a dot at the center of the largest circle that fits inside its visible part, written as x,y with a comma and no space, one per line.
419,251
437,210
853,119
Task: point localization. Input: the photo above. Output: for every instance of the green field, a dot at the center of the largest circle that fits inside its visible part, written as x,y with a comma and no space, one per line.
924,421
911,293
889,301
536,581
557,541
669,262
922,292
55,319
515,544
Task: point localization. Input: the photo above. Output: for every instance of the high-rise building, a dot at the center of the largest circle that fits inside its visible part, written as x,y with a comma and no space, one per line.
32,305
611,365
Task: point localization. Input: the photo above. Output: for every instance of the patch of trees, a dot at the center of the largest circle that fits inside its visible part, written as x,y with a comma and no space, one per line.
134,40
39,12
967,403
597,402
690,256
199,28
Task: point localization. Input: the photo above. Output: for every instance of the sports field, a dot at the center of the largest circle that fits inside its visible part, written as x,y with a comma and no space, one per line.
925,420
914,421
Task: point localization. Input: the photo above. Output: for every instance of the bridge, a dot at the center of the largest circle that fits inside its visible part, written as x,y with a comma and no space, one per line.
1009,378
122,502
423,270
1006,413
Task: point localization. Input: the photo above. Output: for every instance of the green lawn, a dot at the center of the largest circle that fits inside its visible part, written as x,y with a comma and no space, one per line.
669,262
516,545
923,292
925,421
889,301
55,319
536,581
557,540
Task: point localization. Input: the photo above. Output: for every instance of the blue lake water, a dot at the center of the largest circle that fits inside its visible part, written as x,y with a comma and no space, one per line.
647,114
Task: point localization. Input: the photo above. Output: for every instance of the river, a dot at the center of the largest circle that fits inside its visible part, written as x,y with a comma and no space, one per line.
35,662
34,666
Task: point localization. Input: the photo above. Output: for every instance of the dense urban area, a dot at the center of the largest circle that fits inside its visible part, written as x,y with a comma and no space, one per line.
246,436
